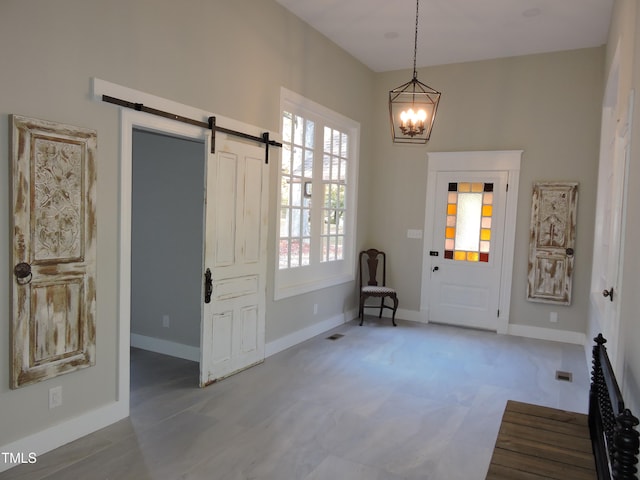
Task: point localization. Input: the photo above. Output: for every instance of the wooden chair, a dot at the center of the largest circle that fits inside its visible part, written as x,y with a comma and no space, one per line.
368,263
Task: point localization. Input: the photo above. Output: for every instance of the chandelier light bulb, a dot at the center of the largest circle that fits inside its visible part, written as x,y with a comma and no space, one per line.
413,123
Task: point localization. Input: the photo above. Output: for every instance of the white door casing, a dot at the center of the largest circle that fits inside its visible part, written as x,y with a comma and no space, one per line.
453,280
233,326
130,119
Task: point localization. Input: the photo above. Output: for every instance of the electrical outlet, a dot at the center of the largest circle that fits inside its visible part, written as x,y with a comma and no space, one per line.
315,308
55,397
165,321
553,317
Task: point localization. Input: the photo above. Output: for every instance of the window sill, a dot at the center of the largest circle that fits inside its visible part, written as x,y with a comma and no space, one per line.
293,289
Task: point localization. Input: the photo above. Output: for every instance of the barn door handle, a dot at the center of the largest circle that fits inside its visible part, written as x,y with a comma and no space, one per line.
608,293
23,274
208,286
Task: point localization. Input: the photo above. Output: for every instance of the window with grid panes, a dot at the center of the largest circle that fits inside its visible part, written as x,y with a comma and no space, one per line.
316,220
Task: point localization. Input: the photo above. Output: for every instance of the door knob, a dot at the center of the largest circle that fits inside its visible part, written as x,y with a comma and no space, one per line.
435,269
608,293
23,274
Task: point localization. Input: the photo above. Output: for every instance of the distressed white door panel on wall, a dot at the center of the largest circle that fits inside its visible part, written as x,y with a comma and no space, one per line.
54,225
552,242
235,250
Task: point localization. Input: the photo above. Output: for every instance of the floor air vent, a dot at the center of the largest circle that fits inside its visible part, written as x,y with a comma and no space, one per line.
564,376
335,336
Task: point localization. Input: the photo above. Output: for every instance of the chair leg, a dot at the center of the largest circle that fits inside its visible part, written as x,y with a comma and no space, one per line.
381,307
395,307
361,310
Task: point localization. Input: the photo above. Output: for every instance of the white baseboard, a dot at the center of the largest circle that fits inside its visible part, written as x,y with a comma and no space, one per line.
53,437
403,314
540,333
577,338
166,347
311,331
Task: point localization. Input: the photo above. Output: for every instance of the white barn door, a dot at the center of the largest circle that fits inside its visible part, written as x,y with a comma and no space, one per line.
233,325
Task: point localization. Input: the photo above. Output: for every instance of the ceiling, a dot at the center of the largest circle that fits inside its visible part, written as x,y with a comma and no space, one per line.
380,33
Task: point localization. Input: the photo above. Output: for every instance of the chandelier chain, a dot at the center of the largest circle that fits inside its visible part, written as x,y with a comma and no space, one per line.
415,42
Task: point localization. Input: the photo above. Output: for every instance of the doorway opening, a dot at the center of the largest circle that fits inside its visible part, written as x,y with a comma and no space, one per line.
167,224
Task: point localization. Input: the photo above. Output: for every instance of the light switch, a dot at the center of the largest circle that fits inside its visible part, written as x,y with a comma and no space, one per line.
414,233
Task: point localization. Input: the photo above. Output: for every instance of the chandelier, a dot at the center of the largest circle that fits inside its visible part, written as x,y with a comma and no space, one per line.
413,105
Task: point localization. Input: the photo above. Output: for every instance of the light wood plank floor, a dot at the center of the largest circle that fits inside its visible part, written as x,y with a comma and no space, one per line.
380,403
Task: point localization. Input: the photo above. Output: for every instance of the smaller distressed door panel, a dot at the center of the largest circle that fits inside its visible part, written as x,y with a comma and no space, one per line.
221,339
249,341
57,335
225,209
54,228
252,210
552,240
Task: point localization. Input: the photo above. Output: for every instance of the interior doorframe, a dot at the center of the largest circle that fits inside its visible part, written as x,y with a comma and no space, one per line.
130,119
475,161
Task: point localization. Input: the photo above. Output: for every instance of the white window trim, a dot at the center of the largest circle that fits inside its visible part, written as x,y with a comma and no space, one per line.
304,279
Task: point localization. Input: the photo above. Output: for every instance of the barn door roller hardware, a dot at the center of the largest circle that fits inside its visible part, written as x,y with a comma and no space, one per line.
210,124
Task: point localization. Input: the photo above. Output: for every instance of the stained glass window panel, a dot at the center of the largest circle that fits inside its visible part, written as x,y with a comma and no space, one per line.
468,221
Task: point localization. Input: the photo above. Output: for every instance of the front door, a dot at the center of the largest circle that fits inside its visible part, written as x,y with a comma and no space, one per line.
468,234
233,326
470,214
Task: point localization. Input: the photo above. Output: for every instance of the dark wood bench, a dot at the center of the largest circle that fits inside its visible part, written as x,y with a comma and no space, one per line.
536,442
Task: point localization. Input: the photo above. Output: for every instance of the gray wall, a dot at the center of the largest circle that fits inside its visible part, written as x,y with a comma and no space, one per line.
166,237
547,105
231,58
227,57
